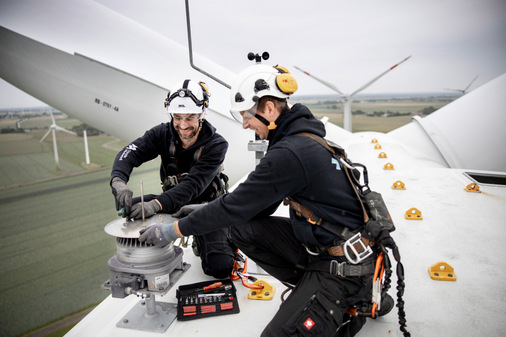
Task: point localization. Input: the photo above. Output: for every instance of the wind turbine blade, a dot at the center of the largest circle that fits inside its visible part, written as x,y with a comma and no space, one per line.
325,83
48,131
52,117
458,90
377,77
59,128
470,83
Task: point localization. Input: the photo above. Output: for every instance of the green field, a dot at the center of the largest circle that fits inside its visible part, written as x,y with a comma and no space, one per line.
333,109
53,248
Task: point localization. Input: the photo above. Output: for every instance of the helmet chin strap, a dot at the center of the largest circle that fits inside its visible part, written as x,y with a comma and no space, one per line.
270,125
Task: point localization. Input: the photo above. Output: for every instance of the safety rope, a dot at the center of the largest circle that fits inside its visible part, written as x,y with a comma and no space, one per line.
400,285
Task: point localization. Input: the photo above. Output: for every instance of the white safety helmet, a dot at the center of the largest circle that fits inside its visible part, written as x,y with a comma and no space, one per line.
187,97
257,81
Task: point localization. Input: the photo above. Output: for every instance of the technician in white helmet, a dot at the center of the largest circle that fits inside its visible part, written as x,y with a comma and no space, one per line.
306,249
192,155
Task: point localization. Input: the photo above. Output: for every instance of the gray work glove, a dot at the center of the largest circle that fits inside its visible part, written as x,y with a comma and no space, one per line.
150,209
122,195
159,235
187,209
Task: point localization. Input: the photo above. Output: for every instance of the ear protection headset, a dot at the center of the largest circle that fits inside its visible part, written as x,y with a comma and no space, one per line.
285,82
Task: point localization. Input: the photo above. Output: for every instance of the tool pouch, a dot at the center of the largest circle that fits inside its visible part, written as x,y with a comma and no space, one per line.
193,303
377,208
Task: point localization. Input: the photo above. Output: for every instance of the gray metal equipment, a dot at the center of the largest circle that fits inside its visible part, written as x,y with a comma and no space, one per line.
144,270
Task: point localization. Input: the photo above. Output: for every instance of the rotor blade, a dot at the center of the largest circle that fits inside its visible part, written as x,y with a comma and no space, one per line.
458,90
377,77
59,128
471,83
48,131
52,117
325,83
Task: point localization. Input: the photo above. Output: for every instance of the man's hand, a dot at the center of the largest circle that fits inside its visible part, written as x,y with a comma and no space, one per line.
159,235
187,209
122,195
150,209
385,239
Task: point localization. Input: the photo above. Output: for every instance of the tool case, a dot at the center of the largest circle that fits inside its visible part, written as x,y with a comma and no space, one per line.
194,302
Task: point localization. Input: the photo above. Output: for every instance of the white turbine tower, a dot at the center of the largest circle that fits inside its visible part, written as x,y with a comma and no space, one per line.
464,91
52,128
346,98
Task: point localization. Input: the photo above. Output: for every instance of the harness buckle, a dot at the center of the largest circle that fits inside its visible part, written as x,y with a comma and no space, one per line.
351,253
337,268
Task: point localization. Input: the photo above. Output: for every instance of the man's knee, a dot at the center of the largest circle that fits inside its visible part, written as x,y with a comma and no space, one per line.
218,265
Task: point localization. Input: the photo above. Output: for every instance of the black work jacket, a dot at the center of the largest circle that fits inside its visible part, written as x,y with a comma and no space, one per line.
295,166
157,142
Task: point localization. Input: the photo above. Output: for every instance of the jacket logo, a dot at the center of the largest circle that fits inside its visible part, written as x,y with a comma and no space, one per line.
128,149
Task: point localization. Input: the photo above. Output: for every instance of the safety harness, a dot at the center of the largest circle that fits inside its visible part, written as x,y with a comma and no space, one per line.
356,248
218,186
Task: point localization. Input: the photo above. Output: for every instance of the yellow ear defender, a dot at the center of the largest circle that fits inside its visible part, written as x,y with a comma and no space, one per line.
206,93
285,81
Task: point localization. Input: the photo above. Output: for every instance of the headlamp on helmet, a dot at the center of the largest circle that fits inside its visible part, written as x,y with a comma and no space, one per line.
187,97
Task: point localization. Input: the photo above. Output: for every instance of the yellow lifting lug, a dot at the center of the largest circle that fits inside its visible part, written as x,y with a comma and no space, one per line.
374,140
377,147
413,214
442,271
388,166
472,187
266,293
399,185
382,155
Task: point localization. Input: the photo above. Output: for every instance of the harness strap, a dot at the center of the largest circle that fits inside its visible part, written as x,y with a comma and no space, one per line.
339,250
342,269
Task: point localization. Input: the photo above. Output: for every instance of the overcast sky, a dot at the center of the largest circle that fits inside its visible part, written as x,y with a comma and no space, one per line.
347,43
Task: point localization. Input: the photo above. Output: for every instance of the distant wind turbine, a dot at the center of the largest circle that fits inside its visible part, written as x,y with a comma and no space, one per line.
465,90
52,128
346,98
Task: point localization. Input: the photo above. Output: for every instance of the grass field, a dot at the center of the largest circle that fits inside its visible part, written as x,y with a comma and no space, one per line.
53,249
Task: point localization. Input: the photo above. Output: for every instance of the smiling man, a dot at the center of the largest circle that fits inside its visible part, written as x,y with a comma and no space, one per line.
192,155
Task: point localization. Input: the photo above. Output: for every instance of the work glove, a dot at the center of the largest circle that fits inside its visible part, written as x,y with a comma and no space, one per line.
372,230
385,239
187,209
122,195
159,235
150,209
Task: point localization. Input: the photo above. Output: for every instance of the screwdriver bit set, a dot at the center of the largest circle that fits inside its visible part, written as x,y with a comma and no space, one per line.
205,299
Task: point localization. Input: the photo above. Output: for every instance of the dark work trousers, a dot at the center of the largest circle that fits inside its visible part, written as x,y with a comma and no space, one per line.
317,305
216,251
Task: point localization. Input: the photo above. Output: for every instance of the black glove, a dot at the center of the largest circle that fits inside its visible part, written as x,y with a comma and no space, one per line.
371,230
122,195
187,209
159,235
150,209
385,239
